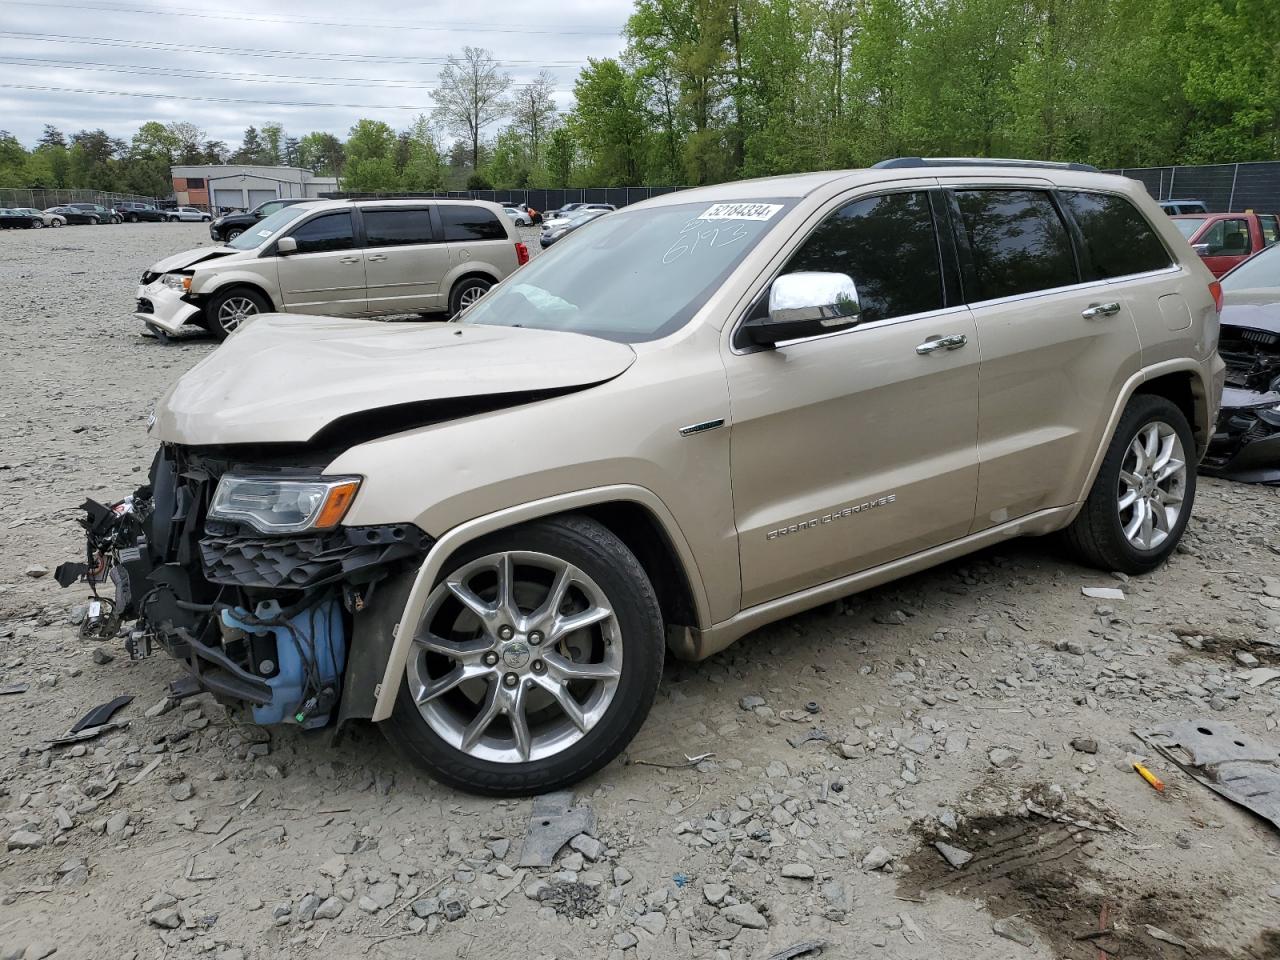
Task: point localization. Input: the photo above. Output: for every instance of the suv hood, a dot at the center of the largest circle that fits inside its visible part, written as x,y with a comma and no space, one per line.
283,379
189,258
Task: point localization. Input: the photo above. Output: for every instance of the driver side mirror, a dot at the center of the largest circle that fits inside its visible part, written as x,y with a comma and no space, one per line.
1201,248
286,246
805,304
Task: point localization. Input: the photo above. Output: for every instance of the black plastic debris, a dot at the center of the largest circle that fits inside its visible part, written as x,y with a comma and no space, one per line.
101,714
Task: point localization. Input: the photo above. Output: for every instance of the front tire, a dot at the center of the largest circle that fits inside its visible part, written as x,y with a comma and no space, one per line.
37,224
232,234
467,292
1141,500
536,661
228,309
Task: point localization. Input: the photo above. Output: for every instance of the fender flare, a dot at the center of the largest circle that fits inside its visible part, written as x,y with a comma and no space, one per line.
466,532
1180,365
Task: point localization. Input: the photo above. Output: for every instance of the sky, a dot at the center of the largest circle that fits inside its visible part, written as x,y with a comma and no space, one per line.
317,65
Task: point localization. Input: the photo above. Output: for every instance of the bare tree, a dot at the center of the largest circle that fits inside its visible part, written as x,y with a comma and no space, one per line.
472,94
534,112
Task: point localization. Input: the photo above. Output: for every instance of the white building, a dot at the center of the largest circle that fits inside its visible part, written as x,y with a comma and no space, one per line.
242,186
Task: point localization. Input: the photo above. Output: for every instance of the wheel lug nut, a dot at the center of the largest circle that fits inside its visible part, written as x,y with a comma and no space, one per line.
505,632
535,637
490,659
539,666
510,680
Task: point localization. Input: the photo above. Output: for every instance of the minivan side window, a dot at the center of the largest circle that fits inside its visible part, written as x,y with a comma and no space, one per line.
468,224
329,231
888,246
396,228
1118,238
1019,243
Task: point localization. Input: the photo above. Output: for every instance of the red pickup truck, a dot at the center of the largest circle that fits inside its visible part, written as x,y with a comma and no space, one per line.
1225,239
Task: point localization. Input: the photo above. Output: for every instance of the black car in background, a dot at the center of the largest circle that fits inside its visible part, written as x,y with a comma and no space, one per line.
233,224
98,210
133,212
15,219
76,215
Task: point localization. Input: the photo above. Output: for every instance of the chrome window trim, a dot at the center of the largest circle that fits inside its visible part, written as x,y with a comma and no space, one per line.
1069,288
873,325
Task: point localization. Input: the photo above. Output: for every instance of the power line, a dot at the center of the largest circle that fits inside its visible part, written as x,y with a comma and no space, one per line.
350,24
161,45
173,96
196,74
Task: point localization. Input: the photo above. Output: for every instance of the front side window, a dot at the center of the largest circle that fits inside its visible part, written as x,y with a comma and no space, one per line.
1018,241
1187,226
468,224
1118,238
632,276
325,233
888,246
395,228
1226,238
258,234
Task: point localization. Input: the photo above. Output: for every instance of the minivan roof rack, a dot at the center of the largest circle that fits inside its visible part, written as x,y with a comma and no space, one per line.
900,162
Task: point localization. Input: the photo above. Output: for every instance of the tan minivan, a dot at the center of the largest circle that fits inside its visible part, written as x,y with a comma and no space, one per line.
697,415
338,258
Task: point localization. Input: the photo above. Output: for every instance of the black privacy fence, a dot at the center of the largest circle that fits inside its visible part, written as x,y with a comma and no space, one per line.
538,199
1222,187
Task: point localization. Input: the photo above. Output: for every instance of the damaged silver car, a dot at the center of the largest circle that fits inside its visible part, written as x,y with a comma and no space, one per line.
1246,444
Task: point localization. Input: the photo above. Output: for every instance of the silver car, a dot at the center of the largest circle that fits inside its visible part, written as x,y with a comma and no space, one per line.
188,214
337,258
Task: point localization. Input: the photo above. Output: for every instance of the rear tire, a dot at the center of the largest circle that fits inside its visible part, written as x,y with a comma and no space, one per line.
228,309
466,292
1141,500
568,734
37,224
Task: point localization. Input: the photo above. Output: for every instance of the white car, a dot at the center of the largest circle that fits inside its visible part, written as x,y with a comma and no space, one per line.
50,219
518,216
187,214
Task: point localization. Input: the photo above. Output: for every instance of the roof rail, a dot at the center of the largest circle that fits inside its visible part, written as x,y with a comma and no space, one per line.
900,162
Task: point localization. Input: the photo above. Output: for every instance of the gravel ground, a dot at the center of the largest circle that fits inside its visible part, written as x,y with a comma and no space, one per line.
947,706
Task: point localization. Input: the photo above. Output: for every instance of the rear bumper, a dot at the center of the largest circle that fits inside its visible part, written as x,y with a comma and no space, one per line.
168,310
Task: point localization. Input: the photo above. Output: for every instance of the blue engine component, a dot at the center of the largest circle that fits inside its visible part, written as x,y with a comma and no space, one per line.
315,635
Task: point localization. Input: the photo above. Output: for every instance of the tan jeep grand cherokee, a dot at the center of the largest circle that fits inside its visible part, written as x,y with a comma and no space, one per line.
693,417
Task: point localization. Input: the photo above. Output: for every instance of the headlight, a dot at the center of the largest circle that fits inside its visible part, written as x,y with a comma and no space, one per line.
274,505
177,281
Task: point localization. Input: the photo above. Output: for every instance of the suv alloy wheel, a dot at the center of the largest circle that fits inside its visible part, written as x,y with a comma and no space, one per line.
536,661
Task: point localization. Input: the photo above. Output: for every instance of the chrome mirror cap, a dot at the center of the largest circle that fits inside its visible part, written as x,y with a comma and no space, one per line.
825,299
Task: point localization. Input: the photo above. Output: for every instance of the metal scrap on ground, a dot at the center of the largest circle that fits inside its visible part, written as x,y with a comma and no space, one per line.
553,822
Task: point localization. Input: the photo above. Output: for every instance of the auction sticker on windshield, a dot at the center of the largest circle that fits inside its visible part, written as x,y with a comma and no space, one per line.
740,211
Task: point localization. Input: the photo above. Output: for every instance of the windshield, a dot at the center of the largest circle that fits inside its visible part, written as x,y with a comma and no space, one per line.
266,228
1189,225
1256,273
631,276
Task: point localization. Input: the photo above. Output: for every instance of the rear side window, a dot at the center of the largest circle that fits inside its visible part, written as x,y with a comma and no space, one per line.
888,246
1270,228
469,224
395,228
1118,239
1018,240
329,231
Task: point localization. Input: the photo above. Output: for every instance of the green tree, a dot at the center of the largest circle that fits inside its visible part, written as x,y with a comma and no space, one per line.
533,113
273,143
424,169
558,158
470,96
321,152
610,123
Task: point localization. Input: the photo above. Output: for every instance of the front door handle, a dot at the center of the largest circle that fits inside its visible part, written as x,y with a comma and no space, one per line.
376,258
1096,310
953,342
348,259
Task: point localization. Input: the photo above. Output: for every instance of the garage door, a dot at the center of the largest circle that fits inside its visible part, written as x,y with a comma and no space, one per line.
260,196
228,199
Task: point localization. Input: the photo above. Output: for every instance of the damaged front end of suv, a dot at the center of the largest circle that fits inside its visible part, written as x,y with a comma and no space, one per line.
241,571
1246,443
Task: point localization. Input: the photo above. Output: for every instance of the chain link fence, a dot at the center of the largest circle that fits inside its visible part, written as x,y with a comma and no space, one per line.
538,199
41,199
1222,187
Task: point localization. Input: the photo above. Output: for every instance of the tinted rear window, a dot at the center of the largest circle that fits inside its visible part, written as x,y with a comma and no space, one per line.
470,223
393,228
1019,242
1118,238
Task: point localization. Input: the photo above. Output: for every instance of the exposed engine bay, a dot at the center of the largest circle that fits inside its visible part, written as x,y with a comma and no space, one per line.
1246,443
265,620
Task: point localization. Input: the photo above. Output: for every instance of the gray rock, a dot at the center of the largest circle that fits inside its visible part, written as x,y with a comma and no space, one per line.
500,848
24,840
1085,745
953,855
1012,928
330,909
168,919
164,706
367,905
621,876
798,871
625,940
182,790
117,822
307,907
1002,758
876,859
383,894
751,702
425,908
36,571
159,902
101,657
714,893
1245,658
653,923
745,915
589,847
39,950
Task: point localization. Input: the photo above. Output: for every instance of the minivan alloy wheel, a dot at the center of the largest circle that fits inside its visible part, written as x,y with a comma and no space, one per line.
1152,485
517,658
471,295
234,311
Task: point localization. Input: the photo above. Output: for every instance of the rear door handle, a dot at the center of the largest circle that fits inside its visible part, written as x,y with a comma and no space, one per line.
953,342
348,259
376,258
1096,310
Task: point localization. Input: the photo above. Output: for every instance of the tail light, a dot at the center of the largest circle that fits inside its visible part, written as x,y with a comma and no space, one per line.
522,257
1215,290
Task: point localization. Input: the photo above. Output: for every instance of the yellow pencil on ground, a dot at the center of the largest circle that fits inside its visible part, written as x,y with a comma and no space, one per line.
1148,776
